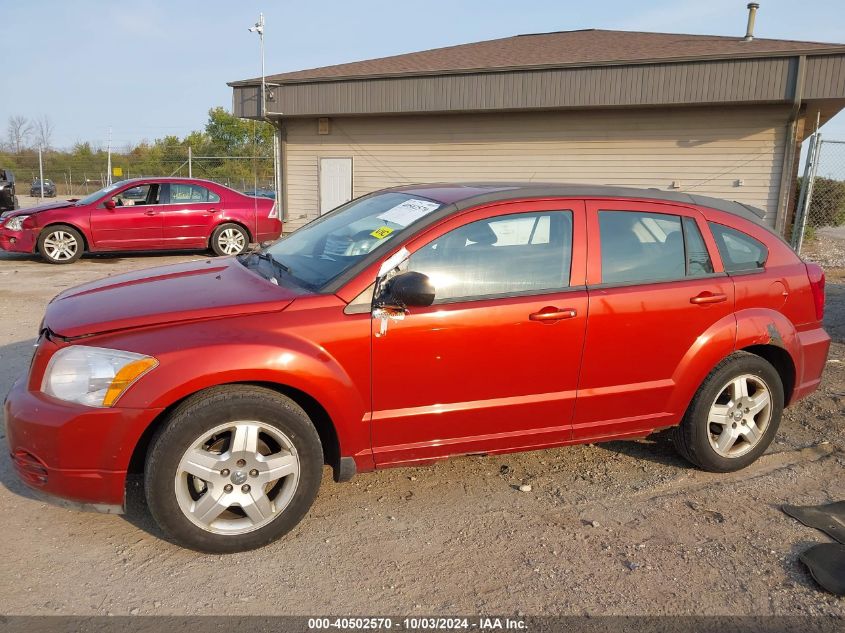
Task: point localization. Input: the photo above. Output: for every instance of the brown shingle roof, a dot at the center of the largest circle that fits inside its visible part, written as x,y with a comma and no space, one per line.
587,47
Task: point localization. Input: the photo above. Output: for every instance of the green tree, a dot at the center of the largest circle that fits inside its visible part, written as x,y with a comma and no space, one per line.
230,136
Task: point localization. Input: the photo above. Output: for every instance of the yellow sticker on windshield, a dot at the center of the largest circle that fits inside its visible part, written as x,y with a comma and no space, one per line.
382,232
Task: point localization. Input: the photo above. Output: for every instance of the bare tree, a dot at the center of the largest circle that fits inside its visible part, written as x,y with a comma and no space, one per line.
19,131
43,132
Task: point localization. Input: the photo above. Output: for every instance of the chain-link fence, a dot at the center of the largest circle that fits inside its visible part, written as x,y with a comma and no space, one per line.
76,177
243,173
819,229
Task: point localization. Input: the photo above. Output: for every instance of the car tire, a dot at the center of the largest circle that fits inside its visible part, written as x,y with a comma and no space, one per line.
237,507
229,239
16,204
733,416
60,244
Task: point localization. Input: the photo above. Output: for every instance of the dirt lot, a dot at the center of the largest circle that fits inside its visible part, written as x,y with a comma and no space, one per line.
26,200
617,528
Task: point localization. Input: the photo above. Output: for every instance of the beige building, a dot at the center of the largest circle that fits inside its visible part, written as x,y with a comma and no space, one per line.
711,115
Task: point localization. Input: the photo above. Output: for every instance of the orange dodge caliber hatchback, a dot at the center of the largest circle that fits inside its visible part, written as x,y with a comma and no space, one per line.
410,325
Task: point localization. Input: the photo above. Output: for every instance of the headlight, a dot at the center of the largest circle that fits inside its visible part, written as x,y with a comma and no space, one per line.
16,223
93,376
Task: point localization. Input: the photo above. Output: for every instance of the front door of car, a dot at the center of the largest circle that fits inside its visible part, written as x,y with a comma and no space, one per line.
134,222
659,303
493,363
190,214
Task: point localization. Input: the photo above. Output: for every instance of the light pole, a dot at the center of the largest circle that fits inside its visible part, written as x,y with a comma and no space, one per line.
108,166
259,28
41,173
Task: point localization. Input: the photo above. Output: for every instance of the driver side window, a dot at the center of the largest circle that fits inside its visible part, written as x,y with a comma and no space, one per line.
137,196
516,254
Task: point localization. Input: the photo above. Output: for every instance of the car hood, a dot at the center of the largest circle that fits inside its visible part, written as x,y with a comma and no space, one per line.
167,294
58,204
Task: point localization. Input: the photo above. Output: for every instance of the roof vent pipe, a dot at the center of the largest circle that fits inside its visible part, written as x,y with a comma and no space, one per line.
752,13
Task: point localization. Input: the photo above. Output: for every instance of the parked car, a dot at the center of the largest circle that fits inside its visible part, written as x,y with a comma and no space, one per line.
411,325
143,214
8,199
261,193
49,188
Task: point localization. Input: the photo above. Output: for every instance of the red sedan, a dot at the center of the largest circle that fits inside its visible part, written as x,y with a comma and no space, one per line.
143,214
411,325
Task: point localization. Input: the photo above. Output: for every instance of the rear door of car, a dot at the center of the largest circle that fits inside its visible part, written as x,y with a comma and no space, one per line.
656,293
190,214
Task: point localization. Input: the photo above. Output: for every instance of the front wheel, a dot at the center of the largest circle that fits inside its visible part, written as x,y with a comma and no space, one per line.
60,244
229,239
734,415
234,468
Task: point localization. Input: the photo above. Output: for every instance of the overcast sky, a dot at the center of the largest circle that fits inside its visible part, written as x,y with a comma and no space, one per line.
148,68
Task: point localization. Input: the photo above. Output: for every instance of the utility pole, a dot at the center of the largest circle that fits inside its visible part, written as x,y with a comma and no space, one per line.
190,163
108,175
41,173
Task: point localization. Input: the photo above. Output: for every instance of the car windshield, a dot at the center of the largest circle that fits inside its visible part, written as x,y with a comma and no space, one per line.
325,248
93,197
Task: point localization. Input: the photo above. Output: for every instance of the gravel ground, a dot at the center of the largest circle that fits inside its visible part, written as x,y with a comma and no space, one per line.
616,528
826,248
27,201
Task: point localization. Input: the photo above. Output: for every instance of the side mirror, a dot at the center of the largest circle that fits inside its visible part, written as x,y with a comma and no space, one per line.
410,289
109,204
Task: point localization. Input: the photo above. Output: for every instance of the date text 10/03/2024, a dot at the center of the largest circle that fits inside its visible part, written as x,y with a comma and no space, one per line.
417,623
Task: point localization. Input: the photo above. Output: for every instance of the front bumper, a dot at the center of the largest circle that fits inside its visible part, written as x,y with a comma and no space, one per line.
71,451
23,241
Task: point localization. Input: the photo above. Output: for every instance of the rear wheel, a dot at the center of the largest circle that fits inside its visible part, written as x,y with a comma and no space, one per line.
734,415
60,244
229,239
233,469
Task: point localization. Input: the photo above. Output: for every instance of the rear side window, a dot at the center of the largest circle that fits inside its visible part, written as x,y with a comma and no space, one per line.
740,252
186,194
639,246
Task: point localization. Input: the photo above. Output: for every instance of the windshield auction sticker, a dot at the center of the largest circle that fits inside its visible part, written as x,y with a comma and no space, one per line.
382,232
409,211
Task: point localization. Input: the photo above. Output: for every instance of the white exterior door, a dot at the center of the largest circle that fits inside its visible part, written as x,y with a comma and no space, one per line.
335,182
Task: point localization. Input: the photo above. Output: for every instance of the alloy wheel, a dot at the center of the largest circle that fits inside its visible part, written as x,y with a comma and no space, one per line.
61,245
231,241
739,416
237,477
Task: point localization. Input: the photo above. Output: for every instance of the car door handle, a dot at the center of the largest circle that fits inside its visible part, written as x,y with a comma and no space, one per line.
150,212
550,314
708,297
